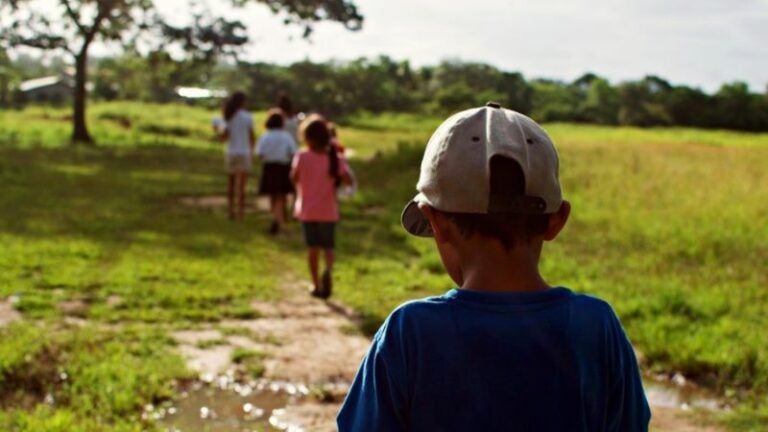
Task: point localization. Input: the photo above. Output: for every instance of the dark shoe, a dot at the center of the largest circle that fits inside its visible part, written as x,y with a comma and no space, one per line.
326,285
274,228
316,292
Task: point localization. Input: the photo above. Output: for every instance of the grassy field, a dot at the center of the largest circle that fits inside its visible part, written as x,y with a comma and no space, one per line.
668,225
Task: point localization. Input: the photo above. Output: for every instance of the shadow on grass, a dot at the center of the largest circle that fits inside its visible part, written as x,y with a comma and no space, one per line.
113,197
94,222
117,196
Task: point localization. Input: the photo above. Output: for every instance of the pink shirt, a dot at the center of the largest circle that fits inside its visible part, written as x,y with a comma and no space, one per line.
315,189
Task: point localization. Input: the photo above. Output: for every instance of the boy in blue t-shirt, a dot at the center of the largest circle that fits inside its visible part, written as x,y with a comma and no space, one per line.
505,351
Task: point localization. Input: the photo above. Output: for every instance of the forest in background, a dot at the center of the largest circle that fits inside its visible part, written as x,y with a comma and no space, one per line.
384,84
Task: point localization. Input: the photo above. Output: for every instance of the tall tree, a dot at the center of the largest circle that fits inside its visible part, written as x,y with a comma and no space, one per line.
74,25
643,102
554,101
601,102
6,72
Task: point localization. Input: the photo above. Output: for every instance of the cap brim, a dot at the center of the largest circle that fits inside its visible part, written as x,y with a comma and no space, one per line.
413,219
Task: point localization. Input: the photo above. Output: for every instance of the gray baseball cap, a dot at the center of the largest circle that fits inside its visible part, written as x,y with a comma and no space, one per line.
455,169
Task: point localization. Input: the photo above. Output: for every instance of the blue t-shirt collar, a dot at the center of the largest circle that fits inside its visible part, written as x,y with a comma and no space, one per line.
508,298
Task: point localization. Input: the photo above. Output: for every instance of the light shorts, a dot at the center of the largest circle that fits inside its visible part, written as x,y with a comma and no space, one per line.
238,163
319,234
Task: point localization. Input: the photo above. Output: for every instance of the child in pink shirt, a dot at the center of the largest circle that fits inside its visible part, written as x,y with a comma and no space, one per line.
317,172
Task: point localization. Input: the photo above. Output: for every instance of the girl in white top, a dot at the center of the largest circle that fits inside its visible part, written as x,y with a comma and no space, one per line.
276,149
291,119
240,140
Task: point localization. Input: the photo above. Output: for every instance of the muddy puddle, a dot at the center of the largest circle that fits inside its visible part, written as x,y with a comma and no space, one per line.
677,393
222,404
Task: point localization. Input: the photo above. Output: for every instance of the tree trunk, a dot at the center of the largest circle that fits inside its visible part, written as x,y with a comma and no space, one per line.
4,102
79,128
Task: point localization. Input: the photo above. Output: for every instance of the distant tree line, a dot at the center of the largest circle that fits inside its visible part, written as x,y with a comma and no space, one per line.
384,84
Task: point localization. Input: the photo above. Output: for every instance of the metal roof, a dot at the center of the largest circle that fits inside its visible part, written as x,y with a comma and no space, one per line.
37,83
199,92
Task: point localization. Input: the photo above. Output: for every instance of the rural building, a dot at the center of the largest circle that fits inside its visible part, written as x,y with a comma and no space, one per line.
55,89
190,94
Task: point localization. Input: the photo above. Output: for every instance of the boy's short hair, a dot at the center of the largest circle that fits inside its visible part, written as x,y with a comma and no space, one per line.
493,171
507,181
275,119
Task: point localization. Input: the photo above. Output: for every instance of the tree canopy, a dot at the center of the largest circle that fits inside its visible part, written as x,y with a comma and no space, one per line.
74,25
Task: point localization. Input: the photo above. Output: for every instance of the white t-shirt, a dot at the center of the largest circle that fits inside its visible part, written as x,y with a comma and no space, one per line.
292,126
276,145
240,127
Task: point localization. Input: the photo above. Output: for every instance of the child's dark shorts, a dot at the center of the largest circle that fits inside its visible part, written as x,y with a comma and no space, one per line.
275,179
319,234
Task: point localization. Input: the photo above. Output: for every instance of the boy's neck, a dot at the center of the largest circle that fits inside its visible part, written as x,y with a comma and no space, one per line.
491,269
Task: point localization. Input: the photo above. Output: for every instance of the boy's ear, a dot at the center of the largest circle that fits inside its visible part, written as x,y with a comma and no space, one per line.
438,223
557,221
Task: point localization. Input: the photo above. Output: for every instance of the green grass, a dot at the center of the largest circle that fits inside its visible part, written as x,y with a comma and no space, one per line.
250,359
105,223
668,225
89,379
210,343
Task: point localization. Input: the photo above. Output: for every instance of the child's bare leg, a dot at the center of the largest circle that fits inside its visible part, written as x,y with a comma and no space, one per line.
329,258
327,279
273,206
243,182
231,195
314,257
290,201
274,228
279,209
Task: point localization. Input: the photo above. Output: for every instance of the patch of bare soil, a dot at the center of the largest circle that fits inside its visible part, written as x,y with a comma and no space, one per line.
212,202
7,313
676,420
114,300
311,345
75,308
677,404
304,341
206,361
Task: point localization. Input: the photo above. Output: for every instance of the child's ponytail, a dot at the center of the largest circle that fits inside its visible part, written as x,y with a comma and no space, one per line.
333,157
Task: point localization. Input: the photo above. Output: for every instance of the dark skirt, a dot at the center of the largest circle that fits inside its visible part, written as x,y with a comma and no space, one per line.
275,179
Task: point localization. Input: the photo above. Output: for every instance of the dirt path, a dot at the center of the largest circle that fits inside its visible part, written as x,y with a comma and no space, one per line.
7,313
314,344
306,341
675,420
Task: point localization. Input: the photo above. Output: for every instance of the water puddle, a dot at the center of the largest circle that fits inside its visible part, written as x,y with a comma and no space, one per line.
677,393
222,404
226,403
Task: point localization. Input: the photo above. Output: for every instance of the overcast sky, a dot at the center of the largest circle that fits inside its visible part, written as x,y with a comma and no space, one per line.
697,42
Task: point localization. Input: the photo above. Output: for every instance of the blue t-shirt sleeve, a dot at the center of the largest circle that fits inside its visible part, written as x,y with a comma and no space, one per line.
628,409
377,398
